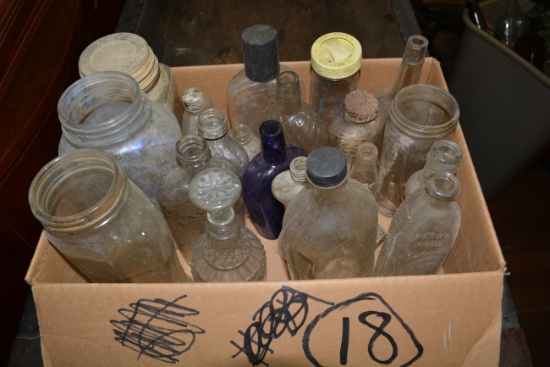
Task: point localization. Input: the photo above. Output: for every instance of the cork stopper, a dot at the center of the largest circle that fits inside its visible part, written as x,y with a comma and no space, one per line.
124,52
361,106
193,100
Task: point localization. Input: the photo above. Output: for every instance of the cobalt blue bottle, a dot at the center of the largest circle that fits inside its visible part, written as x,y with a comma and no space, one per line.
266,212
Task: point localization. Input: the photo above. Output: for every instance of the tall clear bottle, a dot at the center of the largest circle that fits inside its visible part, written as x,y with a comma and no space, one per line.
409,73
185,219
444,156
356,123
227,251
109,111
102,222
301,123
423,230
253,87
214,129
266,212
330,228
194,101
130,54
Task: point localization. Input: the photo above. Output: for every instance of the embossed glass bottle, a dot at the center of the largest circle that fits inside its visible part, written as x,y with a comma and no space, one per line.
301,123
423,229
288,183
250,142
330,228
420,115
129,53
266,212
194,101
213,128
185,219
444,156
356,123
253,87
102,222
364,168
227,251
109,111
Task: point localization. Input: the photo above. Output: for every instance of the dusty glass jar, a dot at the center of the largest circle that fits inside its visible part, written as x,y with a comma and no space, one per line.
420,115
302,125
130,54
444,156
227,251
102,222
108,111
194,102
423,229
330,227
335,71
356,123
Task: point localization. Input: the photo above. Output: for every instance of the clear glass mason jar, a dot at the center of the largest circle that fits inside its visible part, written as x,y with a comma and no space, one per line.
108,111
420,115
102,222
130,54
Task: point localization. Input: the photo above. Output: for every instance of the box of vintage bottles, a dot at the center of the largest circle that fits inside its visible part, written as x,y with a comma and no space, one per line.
452,318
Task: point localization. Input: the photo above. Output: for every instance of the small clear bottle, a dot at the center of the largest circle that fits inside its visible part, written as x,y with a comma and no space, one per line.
185,219
254,87
213,128
356,123
194,102
409,73
420,115
335,71
102,222
130,54
288,183
250,142
227,251
109,111
364,168
330,228
266,212
444,156
423,230
301,123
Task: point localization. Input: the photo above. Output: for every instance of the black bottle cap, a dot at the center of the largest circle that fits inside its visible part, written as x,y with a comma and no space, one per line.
326,167
261,54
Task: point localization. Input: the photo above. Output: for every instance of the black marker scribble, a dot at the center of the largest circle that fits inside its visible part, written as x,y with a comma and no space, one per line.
286,312
157,328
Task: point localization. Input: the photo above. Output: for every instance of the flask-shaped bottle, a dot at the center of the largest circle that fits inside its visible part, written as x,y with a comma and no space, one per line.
423,229
226,252
130,54
444,156
356,123
301,123
253,87
102,222
194,102
330,227
266,212
213,128
109,111
409,73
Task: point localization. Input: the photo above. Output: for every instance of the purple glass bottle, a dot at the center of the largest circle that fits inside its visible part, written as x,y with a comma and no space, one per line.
265,210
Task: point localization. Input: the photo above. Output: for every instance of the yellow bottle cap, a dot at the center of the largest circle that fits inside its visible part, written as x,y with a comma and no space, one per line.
336,55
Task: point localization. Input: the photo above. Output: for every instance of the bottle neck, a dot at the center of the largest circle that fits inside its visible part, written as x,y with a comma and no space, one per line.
103,109
273,141
79,193
212,124
222,225
242,134
443,186
289,96
298,169
192,153
411,65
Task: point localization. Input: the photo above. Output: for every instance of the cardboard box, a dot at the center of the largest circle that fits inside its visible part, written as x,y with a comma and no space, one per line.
449,319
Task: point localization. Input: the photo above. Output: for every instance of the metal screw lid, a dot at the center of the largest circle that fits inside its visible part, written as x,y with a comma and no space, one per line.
326,167
336,55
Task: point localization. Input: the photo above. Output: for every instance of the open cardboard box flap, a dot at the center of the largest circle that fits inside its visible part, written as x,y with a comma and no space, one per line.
449,319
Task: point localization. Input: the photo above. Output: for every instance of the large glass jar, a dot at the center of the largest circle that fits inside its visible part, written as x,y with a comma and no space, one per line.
420,115
335,71
330,227
102,222
130,54
109,111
